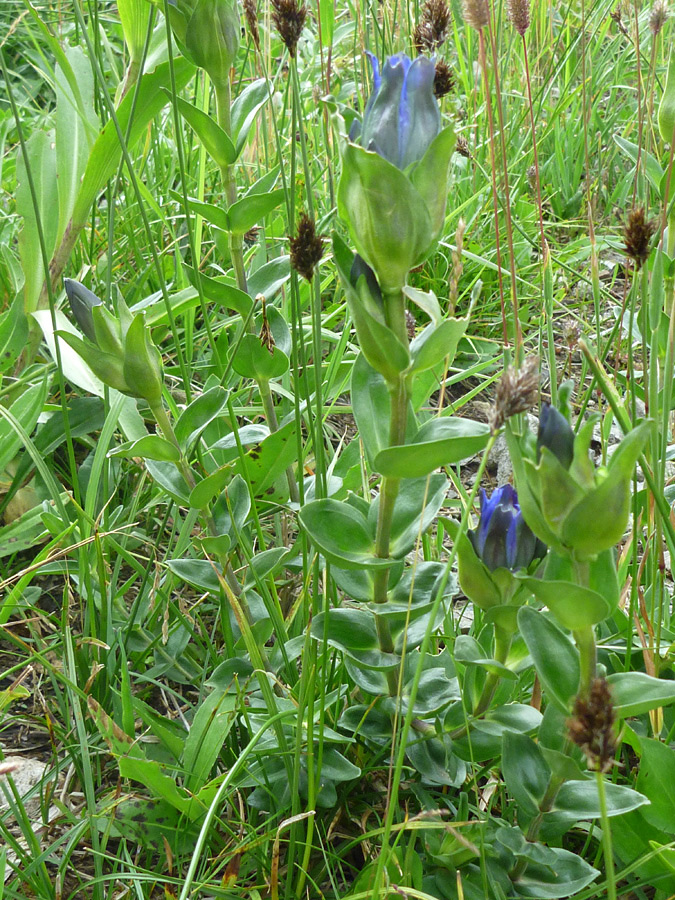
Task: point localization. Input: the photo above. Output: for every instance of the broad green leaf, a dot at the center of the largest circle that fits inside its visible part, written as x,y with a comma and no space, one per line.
266,461
152,446
573,605
526,773
656,781
653,170
254,360
245,109
221,291
216,215
13,334
76,127
415,508
217,143
326,21
250,210
342,534
371,405
41,153
212,723
440,442
353,632
555,658
270,278
580,799
436,343
427,302
635,693
200,412
25,409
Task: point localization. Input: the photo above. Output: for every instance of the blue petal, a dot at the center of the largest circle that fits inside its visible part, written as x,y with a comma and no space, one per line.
374,62
420,116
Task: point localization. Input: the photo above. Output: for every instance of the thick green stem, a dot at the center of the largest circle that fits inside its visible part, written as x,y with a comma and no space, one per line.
399,395
585,640
236,241
502,646
271,416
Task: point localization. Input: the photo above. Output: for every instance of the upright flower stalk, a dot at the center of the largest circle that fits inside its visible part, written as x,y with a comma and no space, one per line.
392,196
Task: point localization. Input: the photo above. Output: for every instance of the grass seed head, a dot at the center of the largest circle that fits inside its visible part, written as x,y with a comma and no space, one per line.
289,19
519,14
517,392
476,13
251,16
637,235
444,80
658,16
306,247
432,29
591,727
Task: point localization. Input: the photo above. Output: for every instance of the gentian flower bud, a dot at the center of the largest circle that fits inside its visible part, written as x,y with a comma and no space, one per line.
555,433
82,301
394,183
503,539
208,32
119,351
402,117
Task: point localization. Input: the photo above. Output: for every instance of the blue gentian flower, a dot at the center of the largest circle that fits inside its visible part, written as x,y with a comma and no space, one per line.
402,116
556,433
503,539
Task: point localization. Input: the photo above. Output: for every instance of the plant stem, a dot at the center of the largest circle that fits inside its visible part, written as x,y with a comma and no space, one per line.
235,241
399,396
502,646
606,838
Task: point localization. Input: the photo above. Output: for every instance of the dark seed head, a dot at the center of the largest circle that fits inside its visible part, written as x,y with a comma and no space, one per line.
432,29
637,235
251,16
591,727
444,80
462,146
306,247
517,392
289,19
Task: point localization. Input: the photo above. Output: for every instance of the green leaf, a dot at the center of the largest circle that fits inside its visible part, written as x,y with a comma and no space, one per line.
656,781
217,143
326,21
220,290
76,127
474,577
430,177
427,302
245,109
580,799
25,409
342,534
250,210
213,720
13,333
439,442
270,278
653,170
555,658
599,520
270,458
437,343
198,414
573,606
635,693
353,632
387,218
253,360
41,153
208,488
416,507
526,772
216,215
371,405
152,446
